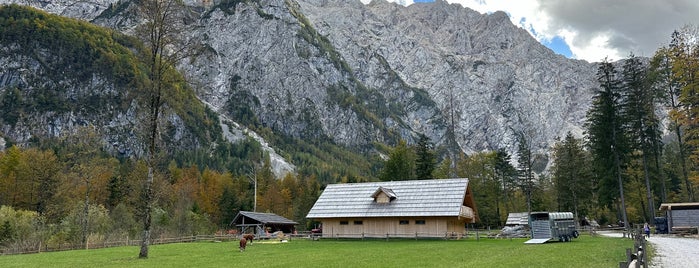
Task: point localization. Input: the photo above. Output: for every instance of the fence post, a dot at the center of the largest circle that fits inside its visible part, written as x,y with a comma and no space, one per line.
628,254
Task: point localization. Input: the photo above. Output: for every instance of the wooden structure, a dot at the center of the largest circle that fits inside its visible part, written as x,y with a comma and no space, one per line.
262,223
517,218
681,217
418,208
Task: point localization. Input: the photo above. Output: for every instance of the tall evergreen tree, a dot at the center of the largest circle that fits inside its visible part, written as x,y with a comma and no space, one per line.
505,173
685,51
400,164
571,175
526,162
662,79
638,107
605,138
425,163
479,168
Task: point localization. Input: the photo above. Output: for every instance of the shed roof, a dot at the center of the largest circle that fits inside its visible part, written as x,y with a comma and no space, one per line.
420,198
517,218
263,218
679,206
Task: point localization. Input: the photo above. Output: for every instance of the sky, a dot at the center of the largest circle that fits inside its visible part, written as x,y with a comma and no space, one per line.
593,29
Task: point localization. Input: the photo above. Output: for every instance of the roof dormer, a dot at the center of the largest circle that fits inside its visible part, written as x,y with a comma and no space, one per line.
383,195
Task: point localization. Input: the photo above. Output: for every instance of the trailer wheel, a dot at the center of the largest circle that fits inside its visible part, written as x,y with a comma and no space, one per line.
576,234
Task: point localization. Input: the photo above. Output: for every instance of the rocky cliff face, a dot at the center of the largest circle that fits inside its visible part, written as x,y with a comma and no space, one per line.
80,9
58,75
357,74
492,76
426,68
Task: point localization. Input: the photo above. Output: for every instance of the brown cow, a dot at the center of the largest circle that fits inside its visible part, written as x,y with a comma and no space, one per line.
243,243
249,237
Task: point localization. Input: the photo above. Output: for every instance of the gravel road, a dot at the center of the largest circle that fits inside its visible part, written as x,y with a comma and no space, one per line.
671,252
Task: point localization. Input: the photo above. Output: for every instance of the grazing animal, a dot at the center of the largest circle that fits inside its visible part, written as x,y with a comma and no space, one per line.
243,243
249,237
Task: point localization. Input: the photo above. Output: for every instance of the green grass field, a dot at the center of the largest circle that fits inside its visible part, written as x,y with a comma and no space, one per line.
585,251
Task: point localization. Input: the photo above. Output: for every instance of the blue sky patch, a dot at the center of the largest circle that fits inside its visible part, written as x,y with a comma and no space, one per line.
559,46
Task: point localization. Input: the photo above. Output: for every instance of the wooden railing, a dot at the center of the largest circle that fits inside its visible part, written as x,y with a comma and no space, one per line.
636,257
466,212
42,247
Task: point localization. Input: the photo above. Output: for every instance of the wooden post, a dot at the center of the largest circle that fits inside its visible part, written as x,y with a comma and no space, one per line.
628,254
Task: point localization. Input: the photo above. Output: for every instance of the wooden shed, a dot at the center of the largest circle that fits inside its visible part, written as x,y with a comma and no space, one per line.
262,223
418,208
681,216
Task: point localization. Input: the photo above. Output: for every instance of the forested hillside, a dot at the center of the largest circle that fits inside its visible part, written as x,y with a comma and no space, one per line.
79,90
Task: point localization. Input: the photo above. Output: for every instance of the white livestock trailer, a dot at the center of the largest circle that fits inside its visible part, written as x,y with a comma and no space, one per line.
546,226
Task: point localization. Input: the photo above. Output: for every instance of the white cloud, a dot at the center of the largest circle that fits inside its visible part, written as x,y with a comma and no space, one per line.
595,29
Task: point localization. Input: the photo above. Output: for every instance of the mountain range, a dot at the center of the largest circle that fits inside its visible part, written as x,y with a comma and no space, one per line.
330,70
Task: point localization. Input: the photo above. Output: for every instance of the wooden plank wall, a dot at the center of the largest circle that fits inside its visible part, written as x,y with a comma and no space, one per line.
381,227
684,218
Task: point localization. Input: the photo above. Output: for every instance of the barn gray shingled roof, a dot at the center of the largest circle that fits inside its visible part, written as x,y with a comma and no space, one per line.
265,218
420,198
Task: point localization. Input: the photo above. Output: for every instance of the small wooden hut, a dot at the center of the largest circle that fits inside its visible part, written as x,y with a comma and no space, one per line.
681,217
417,208
262,223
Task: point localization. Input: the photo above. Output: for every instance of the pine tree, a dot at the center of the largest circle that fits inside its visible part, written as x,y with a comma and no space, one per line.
572,178
425,160
505,173
638,105
605,138
479,168
400,164
526,173
684,49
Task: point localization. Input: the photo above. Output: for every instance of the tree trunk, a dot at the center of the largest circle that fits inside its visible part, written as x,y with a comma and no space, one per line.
147,217
649,195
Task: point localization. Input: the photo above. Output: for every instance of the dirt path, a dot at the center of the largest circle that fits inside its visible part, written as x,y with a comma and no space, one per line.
671,252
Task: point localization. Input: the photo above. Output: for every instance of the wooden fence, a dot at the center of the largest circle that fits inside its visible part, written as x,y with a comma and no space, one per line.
40,247
636,257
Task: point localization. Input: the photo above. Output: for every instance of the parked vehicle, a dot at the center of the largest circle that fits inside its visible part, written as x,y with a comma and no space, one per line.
546,226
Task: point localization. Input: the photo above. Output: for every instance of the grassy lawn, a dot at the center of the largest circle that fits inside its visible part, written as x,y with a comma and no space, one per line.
585,251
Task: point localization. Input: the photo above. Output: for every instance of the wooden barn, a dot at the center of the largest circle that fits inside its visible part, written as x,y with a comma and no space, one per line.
418,208
262,223
681,217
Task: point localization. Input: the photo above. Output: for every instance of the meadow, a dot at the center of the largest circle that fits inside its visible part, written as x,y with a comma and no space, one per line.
585,251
